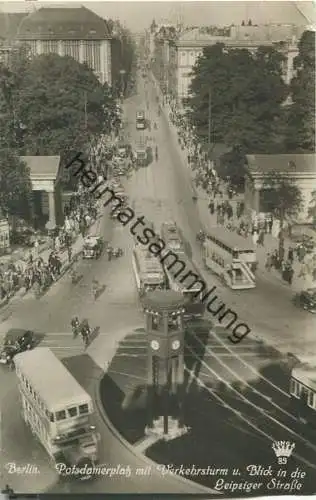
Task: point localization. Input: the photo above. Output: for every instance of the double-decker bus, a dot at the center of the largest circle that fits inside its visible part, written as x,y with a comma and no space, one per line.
190,287
57,409
148,272
303,394
230,256
171,236
140,120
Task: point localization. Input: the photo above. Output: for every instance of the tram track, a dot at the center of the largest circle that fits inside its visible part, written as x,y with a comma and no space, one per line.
258,413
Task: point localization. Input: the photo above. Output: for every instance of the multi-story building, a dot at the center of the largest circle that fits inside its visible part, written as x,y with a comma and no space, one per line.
190,45
9,23
163,54
73,31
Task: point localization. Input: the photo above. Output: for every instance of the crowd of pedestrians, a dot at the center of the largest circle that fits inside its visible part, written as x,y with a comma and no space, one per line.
37,272
289,260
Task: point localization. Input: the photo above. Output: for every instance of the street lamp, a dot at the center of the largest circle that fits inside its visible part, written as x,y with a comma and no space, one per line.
122,73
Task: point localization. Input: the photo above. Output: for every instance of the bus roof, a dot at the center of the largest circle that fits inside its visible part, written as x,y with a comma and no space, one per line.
231,239
55,385
148,263
306,375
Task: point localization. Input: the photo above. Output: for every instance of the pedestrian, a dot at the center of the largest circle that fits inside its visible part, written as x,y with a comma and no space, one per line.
268,264
211,207
290,255
261,239
270,225
255,237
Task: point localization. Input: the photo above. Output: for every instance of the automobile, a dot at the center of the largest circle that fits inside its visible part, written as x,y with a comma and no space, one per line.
93,247
306,299
15,341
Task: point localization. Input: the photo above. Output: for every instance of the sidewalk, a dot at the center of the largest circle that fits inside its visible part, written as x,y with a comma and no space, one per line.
66,265
207,220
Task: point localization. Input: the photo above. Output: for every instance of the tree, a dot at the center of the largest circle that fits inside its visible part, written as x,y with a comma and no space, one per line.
300,119
54,105
312,208
15,185
241,94
232,165
281,196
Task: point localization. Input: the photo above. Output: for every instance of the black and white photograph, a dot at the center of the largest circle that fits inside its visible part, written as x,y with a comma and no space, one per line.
157,248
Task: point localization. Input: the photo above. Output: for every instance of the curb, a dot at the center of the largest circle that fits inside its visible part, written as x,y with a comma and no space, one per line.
141,456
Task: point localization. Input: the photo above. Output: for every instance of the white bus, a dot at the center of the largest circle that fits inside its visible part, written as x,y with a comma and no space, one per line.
231,256
57,409
148,272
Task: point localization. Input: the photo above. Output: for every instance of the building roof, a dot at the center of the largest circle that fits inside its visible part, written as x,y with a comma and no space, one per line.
282,163
242,36
55,385
9,24
59,23
45,167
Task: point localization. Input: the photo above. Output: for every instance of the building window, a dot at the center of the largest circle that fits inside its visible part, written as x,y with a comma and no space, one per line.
72,49
50,46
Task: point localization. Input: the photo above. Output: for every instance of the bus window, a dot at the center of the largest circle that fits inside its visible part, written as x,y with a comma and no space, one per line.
83,409
49,415
310,399
60,415
235,254
72,412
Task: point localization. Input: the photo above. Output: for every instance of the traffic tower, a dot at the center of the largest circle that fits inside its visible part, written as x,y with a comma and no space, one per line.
165,343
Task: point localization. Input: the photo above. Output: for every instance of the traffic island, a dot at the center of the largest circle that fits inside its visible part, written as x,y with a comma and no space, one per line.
220,429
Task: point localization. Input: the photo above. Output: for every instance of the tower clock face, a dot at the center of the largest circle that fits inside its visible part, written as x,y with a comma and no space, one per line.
154,344
175,345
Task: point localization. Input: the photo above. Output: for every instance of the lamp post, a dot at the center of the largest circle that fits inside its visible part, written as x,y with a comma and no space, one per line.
122,73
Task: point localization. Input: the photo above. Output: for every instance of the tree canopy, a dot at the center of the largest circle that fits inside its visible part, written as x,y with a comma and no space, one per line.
300,118
15,185
282,196
53,105
244,93
312,208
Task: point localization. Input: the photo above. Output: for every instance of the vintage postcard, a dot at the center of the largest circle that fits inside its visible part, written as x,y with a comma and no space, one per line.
157,248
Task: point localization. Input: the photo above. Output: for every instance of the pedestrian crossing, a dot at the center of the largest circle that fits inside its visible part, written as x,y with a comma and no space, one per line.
63,345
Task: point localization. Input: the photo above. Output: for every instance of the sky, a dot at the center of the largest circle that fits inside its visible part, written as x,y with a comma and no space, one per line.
137,16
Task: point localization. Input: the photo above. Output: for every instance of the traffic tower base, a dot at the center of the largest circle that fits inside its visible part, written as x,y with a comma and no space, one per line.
174,429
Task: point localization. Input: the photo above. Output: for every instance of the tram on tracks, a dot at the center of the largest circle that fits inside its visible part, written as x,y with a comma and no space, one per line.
148,271
303,394
188,282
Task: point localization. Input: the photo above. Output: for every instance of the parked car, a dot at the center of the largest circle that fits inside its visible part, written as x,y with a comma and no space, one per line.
93,247
306,299
16,340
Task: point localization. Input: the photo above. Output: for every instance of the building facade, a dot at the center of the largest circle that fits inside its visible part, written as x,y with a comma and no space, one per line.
75,32
190,45
299,168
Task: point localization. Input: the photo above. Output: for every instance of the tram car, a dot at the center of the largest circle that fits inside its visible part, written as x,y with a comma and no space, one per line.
303,394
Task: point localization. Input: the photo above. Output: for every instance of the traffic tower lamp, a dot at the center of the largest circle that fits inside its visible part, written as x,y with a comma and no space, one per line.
165,343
